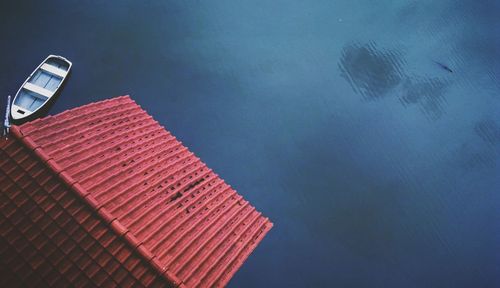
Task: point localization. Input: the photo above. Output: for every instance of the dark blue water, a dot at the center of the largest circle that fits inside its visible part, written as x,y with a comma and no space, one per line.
378,166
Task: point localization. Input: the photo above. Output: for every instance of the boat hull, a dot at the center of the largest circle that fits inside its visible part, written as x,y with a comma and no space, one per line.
41,88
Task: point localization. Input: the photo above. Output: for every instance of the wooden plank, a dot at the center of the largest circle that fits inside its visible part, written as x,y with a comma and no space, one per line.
38,90
54,70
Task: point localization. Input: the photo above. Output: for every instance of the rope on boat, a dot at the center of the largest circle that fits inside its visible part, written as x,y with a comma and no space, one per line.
6,122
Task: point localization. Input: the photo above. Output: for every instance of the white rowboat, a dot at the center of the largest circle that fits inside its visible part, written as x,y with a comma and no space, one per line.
40,87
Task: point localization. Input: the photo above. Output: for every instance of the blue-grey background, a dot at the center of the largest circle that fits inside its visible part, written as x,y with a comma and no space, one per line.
378,167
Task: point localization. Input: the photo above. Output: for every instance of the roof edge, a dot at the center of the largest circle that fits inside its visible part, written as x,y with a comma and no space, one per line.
29,125
268,225
112,221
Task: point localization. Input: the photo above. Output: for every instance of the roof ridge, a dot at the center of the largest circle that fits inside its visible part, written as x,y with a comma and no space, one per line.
108,218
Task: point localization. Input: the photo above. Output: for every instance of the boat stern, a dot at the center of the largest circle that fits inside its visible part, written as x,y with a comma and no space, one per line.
17,113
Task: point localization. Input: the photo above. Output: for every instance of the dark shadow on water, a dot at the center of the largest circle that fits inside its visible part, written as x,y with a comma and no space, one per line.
473,155
428,93
372,72
375,73
474,160
489,131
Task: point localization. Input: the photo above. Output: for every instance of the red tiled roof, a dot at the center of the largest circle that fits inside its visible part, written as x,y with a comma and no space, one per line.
183,222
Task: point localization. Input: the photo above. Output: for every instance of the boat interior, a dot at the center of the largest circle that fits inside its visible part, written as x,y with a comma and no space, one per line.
29,100
42,84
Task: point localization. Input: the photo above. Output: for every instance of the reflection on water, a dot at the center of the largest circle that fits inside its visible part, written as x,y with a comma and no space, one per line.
375,73
489,131
370,71
428,93
478,159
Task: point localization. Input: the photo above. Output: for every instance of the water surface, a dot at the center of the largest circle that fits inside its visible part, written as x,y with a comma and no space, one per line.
378,167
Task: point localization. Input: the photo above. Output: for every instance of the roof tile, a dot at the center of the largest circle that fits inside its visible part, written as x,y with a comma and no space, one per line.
150,195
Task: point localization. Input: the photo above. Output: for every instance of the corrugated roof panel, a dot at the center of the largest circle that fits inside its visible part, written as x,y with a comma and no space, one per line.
152,188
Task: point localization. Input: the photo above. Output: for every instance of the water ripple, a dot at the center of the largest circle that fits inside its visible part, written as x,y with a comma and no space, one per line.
489,131
372,72
375,73
428,93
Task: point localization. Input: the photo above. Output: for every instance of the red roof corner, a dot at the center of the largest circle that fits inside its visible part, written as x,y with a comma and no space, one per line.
115,165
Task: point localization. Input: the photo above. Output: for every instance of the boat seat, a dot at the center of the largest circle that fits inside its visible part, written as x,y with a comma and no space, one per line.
54,70
38,90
